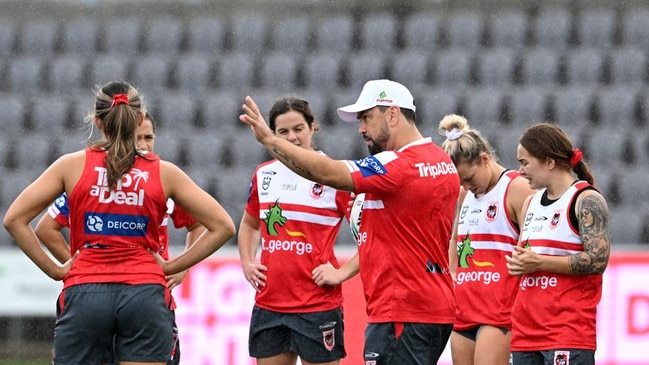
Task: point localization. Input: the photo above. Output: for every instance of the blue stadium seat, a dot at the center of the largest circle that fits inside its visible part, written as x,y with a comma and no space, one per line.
202,152
292,34
496,66
194,71
378,31
452,67
433,104
80,36
235,71
123,36
36,156
585,66
206,34
635,27
12,118
421,31
14,182
465,29
596,27
540,67
484,105
322,70
219,111
626,225
528,105
605,146
335,33
410,67
278,70
107,67
629,66
363,66
552,28
342,142
8,35
508,28
249,33
617,106
175,110
164,35
168,145
38,37
67,73
572,105
50,112
151,72
25,74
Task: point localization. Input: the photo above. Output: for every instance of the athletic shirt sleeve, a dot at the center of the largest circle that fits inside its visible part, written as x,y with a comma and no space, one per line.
375,174
180,217
59,211
252,205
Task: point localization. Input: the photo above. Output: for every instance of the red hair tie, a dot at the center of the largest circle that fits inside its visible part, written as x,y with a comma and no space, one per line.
576,157
119,99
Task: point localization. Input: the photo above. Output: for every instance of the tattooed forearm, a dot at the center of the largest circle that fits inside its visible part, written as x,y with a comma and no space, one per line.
593,229
291,164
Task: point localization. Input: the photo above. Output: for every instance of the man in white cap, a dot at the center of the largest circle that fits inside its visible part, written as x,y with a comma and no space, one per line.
411,188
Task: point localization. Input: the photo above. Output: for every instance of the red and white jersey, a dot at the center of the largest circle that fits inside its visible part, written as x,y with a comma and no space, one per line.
410,199
554,310
484,289
114,229
180,219
300,220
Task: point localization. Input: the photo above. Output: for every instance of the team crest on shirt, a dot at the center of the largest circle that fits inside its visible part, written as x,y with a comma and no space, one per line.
556,217
492,211
561,358
465,208
317,190
265,182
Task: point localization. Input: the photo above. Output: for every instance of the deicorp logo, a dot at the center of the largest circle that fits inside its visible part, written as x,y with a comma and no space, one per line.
116,224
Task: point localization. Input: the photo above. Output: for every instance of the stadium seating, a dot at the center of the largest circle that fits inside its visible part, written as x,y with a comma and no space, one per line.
508,28
503,67
421,31
378,32
206,34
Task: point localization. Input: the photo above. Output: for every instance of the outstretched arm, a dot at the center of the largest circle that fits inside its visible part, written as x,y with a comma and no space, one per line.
309,164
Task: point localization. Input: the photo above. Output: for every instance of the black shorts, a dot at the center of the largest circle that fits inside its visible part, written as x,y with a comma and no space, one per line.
554,357
405,343
472,333
315,337
133,320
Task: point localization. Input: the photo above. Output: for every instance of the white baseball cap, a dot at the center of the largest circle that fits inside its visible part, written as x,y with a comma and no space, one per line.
378,93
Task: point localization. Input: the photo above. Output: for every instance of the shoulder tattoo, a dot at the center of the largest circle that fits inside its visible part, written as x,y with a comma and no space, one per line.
592,213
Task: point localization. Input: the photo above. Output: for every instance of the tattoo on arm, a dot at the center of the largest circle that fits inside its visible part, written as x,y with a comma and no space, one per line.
593,228
293,165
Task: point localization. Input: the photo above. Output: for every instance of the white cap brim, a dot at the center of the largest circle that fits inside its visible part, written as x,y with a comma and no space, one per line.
349,113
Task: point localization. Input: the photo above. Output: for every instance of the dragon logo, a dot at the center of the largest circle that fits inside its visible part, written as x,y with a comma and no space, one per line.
274,216
464,251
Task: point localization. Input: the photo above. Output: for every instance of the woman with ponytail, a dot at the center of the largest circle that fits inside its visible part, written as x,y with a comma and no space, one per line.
114,286
562,252
487,225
